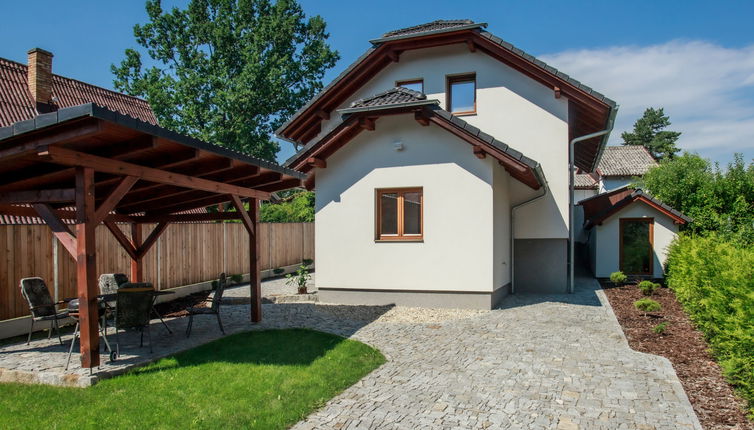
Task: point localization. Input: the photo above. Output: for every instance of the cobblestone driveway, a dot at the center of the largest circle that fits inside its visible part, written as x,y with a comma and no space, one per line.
556,362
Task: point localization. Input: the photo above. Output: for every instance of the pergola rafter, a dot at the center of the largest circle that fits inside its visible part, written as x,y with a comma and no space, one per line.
97,166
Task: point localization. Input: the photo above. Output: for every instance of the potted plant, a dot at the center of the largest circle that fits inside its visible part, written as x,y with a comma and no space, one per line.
300,277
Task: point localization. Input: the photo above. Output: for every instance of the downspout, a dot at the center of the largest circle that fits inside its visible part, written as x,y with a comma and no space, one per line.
545,188
571,170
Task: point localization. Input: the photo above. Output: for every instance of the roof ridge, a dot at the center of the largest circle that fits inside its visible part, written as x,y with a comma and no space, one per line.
417,26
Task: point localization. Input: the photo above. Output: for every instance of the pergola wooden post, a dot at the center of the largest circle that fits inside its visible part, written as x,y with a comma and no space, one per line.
250,220
80,165
86,267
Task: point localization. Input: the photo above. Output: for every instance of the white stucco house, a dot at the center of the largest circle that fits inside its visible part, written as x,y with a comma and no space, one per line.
440,160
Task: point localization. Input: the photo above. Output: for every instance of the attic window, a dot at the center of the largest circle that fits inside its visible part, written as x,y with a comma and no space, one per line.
412,84
461,94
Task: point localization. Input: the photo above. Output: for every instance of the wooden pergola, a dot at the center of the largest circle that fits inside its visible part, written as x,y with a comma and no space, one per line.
87,165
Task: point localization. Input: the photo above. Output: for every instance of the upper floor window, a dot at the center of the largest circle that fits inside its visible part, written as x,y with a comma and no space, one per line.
461,94
399,214
412,84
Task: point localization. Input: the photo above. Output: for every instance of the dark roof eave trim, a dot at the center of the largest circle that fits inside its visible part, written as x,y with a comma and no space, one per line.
94,111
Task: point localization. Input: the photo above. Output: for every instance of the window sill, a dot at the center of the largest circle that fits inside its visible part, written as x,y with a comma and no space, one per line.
463,113
411,240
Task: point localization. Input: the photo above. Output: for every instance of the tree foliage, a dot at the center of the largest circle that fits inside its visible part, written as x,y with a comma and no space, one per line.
227,71
718,201
649,131
298,207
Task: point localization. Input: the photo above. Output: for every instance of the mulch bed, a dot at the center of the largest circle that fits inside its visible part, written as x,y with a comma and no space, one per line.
711,396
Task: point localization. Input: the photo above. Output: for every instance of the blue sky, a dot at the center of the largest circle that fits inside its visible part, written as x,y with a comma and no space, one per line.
694,58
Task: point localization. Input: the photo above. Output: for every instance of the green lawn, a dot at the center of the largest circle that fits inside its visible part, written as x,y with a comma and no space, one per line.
267,379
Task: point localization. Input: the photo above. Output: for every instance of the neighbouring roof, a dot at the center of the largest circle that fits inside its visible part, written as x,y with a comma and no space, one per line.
17,104
625,160
602,206
397,96
584,181
404,101
591,111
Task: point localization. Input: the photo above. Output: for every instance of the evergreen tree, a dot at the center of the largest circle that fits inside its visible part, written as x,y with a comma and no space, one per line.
649,131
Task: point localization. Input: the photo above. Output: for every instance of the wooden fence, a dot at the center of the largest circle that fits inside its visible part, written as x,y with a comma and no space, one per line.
184,254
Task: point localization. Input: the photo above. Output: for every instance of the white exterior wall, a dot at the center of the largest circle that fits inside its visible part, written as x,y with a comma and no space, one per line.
502,226
511,107
578,214
614,182
605,250
457,252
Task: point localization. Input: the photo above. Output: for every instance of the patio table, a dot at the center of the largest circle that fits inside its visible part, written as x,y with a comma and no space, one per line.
111,297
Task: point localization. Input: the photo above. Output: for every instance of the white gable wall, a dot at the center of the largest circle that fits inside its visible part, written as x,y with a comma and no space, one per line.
457,251
605,249
511,107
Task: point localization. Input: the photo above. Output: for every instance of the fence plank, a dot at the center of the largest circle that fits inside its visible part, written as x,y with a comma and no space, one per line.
184,254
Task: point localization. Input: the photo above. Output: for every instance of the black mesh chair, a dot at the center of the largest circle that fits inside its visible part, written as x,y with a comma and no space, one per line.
214,309
42,306
132,312
109,283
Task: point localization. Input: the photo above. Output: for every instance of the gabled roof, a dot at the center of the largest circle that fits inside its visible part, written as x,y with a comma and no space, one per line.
316,152
625,160
17,104
584,181
393,97
602,206
590,111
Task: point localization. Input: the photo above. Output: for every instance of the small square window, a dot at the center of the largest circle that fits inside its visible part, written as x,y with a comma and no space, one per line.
461,94
413,84
399,214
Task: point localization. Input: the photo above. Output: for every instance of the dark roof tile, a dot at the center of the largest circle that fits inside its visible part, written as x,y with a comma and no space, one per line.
429,26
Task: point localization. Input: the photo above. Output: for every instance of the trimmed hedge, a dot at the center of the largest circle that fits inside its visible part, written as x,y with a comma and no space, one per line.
714,281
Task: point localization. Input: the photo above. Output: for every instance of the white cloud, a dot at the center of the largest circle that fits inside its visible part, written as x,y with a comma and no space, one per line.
707,90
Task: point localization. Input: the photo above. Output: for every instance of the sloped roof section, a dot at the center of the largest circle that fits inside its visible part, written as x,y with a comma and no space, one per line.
591,111
625,160
602,206
429,27
395,97
17,104
584,181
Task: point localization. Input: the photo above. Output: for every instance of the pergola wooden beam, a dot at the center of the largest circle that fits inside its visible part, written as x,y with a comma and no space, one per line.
60,213
74,158
121,237
39,196
58,227
114,197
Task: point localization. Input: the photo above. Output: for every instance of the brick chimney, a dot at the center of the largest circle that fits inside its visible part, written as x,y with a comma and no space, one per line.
40,79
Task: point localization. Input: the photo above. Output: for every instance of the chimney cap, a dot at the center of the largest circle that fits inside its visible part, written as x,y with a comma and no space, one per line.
40,50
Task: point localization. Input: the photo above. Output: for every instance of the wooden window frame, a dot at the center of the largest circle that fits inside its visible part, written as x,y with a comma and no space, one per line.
411,81
454,79
400,236
651,222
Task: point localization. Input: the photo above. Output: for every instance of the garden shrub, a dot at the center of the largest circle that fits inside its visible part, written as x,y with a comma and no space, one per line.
618,278
660,328
648,287
236,278
714,281
647,305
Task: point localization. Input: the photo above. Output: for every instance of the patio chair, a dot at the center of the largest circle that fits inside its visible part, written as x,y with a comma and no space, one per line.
109,283
42,306
214,309
132,311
